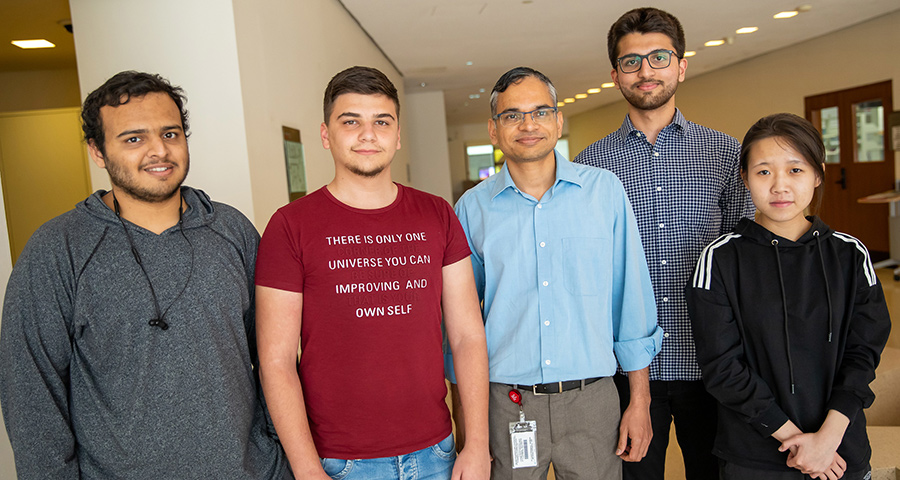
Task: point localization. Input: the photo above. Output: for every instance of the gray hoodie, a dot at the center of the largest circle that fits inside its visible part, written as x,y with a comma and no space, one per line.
90,390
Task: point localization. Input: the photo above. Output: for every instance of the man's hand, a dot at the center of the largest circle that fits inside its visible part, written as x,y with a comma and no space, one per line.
635,429
834,471
472,464
812,454
635,433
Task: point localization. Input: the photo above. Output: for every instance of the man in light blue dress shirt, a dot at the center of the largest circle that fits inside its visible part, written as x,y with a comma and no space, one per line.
566,295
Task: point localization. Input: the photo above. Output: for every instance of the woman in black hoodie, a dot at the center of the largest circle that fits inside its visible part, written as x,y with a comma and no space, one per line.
789,321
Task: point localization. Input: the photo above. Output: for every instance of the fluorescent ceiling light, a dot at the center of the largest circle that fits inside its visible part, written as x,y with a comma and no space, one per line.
788,14
608,85
560,104
569,100
581,95
747,30
690,53
714,43
33,44
593,90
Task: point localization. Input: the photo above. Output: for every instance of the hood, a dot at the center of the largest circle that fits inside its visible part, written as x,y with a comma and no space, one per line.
751,230
200,211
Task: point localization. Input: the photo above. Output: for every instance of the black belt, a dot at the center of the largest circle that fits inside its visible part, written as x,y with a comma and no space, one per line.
556,387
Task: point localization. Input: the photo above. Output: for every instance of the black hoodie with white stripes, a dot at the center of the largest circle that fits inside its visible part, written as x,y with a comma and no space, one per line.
787,330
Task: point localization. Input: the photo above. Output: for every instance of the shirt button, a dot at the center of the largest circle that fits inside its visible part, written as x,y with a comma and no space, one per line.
637,134
655,154
662,225
663,262
546,283
540,206
665,299
547,362
665,335
658,189
543,244
547,322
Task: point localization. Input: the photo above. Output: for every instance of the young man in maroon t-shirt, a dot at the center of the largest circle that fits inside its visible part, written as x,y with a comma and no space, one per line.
359,274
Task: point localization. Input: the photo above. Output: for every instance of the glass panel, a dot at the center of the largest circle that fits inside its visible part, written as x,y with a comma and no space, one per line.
481,162
831,134
869,131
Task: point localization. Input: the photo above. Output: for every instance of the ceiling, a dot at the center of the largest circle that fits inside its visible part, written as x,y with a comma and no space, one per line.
431,41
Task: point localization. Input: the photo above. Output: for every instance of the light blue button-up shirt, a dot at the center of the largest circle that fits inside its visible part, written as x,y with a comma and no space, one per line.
564,281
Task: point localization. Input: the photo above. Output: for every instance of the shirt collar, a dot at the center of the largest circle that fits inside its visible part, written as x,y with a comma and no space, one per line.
679,123
565,172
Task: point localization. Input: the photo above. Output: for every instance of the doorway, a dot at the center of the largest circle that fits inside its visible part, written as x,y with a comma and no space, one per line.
43,167
858,161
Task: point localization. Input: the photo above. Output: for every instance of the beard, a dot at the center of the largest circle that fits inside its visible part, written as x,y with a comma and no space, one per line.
374,171
150,193
649,101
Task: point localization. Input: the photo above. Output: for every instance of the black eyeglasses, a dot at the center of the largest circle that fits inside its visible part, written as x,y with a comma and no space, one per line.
657,59
541,116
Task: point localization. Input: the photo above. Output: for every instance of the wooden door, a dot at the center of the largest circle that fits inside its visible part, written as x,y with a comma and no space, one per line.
43,167
858,160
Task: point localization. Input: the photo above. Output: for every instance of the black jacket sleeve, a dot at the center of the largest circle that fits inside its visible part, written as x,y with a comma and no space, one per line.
867,334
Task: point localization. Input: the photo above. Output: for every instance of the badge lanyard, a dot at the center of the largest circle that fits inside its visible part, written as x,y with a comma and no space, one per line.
522,436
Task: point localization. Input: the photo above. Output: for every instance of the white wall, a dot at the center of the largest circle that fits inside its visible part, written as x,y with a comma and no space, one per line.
288,52
427,144
192,44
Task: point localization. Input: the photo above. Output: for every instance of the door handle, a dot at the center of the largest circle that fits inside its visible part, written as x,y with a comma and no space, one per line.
843,181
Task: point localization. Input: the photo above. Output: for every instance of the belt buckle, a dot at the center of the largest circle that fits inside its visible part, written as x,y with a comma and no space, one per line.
534,389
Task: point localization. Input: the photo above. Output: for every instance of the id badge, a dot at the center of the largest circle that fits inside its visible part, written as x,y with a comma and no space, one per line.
522,437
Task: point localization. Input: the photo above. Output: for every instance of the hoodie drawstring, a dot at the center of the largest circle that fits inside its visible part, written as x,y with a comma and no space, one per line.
787,335
827,290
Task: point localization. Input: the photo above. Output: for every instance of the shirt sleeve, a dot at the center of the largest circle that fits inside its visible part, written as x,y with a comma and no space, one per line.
720,354
735,202
636,335
279,262
36,352
869,328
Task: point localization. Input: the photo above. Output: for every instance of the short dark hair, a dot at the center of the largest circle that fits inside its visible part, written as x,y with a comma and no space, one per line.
361,80
799,134
644,20
119,90
515,76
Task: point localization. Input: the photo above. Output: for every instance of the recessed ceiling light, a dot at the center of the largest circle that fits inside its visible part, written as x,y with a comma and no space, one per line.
746,30
481,90
581,95
690,53
32,44
607,85
569,100
469,64
788,14
422,84
474,96
714,43
593,90
560,104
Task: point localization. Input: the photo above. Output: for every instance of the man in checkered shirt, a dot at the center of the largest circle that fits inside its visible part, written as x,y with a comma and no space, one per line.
683,181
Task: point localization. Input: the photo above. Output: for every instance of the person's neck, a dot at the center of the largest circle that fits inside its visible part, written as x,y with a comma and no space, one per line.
367,193
156,217
534,178
651,122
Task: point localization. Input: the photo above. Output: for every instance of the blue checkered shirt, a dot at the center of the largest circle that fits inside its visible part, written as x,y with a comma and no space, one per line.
686,190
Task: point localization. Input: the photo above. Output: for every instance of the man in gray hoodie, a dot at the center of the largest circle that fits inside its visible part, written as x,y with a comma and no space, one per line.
127,341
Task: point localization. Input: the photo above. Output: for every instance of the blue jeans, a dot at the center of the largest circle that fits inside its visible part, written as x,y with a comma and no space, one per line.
430,463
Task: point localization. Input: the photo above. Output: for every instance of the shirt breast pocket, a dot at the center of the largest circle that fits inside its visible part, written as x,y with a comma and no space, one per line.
586,264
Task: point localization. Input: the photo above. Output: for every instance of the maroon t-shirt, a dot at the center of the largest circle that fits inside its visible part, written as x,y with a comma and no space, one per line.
371,363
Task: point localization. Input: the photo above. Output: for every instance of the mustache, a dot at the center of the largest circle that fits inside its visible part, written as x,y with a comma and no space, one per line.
646,82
